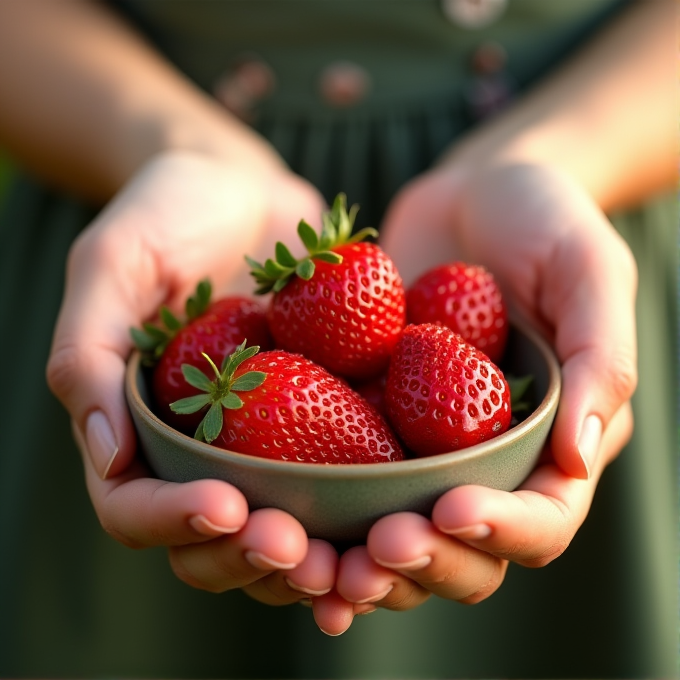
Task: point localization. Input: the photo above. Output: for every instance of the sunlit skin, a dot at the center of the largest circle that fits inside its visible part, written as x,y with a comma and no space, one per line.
600,134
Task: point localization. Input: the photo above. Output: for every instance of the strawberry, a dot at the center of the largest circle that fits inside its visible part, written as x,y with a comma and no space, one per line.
282,406
373,391
343,305
442,394
215,328
464,298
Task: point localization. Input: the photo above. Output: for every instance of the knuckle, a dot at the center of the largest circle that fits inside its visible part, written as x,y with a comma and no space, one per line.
62,370
621,375
546,556
112,530
403,599
183,574
225,567
490,587
92,247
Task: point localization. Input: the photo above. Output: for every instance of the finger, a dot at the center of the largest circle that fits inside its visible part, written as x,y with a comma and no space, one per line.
411,545
363,581
332,613
140,511
593,311
86,367
535,524
270,540
313,577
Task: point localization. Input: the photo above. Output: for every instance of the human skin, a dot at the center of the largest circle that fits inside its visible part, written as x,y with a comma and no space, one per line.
155,136
597,136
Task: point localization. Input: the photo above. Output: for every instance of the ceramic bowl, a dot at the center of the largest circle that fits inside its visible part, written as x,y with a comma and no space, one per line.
340,502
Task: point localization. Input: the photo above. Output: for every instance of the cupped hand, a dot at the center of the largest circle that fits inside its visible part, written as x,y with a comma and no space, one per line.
181,218
562,268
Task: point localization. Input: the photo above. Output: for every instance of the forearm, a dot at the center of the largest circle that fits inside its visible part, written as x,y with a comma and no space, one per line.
86,101
607,118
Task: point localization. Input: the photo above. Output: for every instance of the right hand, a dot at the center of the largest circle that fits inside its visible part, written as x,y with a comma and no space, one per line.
180,219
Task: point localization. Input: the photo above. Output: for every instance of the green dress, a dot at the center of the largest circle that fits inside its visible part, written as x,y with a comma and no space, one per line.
74,603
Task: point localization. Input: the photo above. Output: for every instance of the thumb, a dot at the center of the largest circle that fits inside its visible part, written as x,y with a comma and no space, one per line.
596,343
91,342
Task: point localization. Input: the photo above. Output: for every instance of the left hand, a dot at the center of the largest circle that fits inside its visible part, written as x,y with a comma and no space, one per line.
563,268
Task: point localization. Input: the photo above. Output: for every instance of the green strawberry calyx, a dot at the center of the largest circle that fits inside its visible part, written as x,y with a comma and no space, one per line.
152,339
220,392
336,231
519,387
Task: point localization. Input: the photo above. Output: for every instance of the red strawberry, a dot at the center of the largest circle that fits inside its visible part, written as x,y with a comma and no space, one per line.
442,394
287,408
466,299
216,329
342,306
373,391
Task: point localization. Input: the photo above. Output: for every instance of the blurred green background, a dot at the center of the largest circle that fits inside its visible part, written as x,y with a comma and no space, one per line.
5,172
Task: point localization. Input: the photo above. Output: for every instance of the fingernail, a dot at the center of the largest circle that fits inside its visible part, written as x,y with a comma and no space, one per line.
307,591
204,526
475,532
363,609
418,563
101,443
375,598
330,634
260,561
589,441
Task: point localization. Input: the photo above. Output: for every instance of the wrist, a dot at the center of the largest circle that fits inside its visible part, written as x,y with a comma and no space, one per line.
209,131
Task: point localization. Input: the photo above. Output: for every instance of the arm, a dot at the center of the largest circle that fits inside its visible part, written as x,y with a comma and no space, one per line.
86,102
607,117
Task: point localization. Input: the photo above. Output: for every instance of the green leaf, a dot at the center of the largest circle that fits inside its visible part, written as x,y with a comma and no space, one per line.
196,378
190,404
231,401
305,269
249,381
158,334
363,234
351,218
329,234
212,423
308,236
170,320
339,203
518,387
256,267
142,340
274,270
284,256
328,256
279,284
199,432
237,357
198,303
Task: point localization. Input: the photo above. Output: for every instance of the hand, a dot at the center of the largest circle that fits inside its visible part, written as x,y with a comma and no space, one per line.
183,217
564,269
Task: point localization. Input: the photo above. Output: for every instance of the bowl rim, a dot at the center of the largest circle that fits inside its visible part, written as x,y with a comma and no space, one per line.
391,468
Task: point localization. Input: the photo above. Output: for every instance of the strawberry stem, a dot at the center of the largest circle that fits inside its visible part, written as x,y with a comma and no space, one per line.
220,392
151,340
337,228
